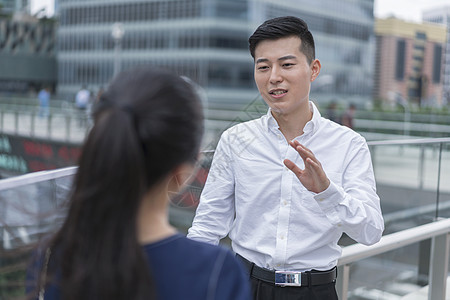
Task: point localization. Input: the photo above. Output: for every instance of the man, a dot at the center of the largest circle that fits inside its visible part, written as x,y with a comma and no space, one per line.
286,186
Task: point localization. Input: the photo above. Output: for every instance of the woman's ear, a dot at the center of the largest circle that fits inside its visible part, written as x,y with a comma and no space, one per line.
180,178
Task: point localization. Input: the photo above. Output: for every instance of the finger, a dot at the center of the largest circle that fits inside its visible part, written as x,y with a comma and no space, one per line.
304,152
293,167
316,168
298,147
322,180
313,166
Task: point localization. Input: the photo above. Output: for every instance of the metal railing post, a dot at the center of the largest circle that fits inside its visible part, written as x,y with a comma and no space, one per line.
372,154
67,127
33,124
342,281
16,122
439,267
421,165
49,126
438,188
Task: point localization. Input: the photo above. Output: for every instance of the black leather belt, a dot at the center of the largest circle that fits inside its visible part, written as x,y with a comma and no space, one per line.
289,278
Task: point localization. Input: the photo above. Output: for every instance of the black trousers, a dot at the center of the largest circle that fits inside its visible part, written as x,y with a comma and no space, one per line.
262,290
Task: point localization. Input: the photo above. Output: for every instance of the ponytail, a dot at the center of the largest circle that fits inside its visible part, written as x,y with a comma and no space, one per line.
104,242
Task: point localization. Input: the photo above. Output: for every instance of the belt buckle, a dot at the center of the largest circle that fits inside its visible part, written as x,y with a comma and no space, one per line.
288,278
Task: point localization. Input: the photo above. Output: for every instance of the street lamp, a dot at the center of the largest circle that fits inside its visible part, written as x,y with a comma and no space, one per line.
117,34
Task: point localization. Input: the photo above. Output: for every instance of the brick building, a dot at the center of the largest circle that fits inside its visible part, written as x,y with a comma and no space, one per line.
408,62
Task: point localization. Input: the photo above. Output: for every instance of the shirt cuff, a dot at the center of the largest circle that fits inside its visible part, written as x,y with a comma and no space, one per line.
330,198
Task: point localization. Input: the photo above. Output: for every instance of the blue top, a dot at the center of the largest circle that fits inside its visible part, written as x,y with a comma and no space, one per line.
190,270
44,97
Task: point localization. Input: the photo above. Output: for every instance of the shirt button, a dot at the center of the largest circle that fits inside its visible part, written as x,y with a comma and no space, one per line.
282,237
284,202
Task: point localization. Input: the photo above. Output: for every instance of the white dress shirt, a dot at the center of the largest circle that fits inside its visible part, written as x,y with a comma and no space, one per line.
271,218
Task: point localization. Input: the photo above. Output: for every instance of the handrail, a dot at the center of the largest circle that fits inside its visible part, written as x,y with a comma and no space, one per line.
438,231
394,241
409,141
36,177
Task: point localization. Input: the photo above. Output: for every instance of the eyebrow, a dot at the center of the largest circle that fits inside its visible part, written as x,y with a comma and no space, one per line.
262,60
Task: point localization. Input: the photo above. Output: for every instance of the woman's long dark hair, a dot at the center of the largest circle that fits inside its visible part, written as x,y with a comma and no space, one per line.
147,123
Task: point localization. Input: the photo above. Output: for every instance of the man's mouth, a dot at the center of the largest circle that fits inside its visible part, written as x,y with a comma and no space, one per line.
277,92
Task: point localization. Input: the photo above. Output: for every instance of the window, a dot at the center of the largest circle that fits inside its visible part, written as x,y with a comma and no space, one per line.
421,35
400,66
437,62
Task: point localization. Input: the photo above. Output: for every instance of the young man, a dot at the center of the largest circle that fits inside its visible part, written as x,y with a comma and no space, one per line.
286,186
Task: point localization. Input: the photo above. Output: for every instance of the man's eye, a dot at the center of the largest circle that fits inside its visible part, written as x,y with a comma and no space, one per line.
262,68
288,65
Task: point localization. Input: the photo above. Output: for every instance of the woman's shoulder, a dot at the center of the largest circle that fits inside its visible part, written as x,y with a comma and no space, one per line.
207,271
179,245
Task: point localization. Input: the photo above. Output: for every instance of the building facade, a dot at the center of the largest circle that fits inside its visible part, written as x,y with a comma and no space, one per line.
8,7
409,62
441,15
27,54
207,40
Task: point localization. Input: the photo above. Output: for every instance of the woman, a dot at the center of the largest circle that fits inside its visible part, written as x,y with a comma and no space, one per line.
116,242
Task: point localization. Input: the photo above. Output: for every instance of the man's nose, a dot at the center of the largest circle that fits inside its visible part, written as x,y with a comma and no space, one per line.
275,75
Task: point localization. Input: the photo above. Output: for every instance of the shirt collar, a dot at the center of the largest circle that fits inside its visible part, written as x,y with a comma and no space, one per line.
310,127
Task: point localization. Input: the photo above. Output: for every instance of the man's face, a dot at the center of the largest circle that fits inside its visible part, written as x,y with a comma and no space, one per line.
283,75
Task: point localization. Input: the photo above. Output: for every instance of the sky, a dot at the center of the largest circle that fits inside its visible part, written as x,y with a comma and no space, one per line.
36,5
409,10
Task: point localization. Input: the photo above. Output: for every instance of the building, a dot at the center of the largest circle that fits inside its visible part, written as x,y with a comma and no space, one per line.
8,7
409,62
207,40
441,15
27,54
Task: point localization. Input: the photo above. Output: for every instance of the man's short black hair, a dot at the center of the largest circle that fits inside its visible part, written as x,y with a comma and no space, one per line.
282,27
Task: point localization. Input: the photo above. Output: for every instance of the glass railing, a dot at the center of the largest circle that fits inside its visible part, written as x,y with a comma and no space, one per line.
31,206
61,125
412,180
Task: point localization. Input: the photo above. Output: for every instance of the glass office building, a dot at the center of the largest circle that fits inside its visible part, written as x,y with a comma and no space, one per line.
206,40
27,54
11,6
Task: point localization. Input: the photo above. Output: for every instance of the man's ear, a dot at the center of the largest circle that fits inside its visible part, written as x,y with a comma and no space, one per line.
181,176
315,69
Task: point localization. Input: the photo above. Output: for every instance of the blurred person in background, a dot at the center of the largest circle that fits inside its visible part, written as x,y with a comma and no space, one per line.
332,112
116,242
44,102
82,100
348,116
286,186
